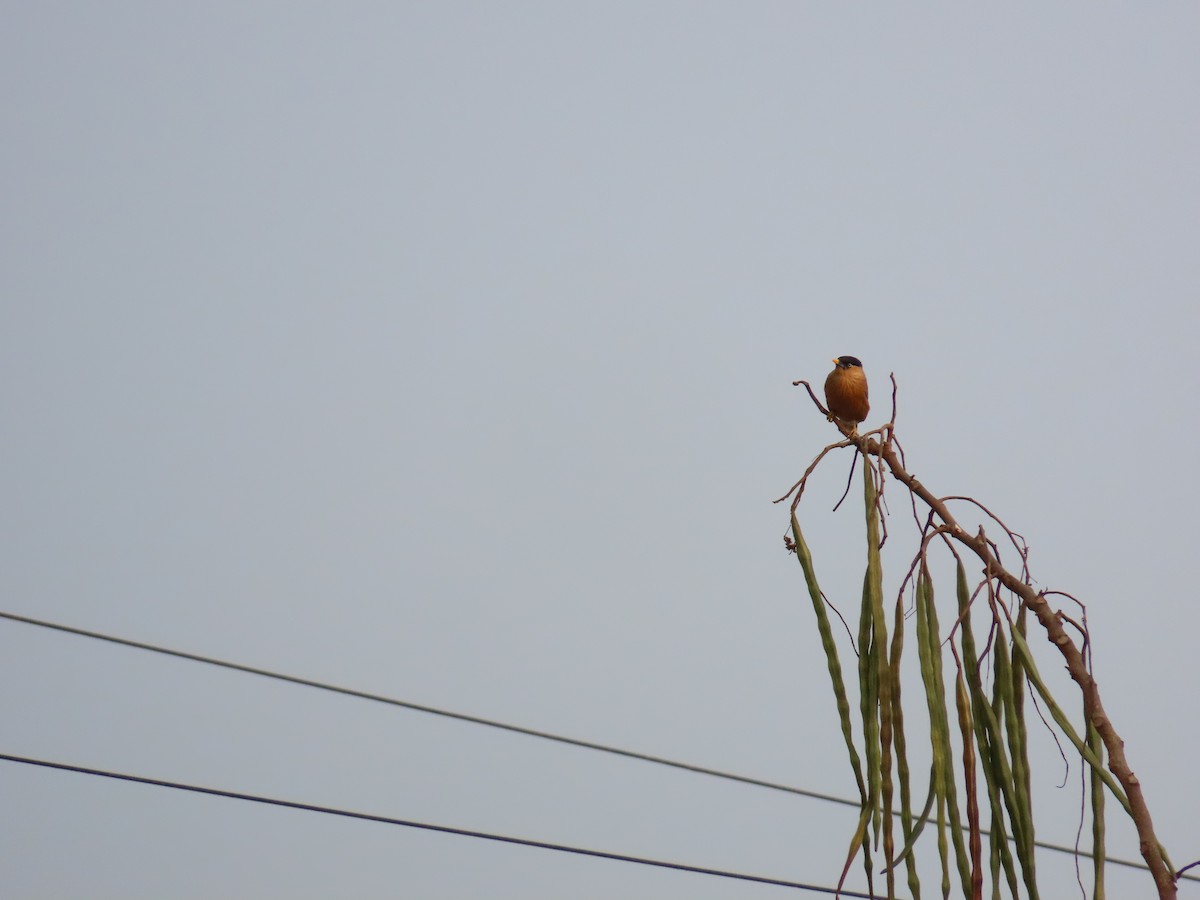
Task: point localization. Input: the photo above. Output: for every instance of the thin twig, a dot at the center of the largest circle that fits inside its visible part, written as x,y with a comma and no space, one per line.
837,612
1188,866
849,480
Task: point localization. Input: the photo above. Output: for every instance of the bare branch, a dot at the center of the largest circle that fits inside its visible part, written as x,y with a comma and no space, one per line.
882,444
1036,602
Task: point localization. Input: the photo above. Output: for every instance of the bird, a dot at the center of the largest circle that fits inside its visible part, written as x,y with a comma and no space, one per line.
846,392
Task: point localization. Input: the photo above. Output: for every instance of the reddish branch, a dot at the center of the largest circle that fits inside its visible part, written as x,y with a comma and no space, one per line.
881,444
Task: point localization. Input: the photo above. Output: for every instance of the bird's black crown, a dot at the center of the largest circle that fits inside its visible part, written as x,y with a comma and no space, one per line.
847,361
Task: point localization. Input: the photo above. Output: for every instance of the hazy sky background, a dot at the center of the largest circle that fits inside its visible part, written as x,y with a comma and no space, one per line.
444,350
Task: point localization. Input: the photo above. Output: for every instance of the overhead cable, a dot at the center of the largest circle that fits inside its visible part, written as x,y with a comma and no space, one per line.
504,726
426,826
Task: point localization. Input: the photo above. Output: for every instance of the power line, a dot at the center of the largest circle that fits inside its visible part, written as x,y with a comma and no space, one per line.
426,826
503,726
419,707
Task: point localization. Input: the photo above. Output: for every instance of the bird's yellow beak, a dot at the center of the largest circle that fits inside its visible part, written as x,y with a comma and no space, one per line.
837,360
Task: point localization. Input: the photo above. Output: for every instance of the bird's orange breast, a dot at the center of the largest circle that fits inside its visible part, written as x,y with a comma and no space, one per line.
846,394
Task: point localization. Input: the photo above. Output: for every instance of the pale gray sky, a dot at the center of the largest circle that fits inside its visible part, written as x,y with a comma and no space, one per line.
444,350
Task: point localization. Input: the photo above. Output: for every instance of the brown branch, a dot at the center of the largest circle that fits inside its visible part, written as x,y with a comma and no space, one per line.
808,387
1077,667
882,444
1017,539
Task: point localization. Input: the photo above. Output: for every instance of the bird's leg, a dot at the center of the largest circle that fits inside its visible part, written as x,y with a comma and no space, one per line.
842,425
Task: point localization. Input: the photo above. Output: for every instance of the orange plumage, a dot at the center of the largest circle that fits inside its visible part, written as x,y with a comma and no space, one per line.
846,392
